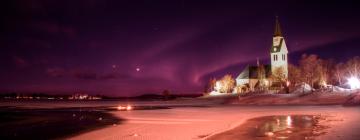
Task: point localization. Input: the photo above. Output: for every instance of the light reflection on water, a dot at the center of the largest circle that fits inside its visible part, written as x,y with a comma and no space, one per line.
288,121
290,127
284,127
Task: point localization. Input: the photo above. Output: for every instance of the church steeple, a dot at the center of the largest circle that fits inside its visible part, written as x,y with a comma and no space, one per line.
277,27
279,52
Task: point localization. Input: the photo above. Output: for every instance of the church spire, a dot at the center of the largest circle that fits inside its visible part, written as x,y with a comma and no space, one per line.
277,27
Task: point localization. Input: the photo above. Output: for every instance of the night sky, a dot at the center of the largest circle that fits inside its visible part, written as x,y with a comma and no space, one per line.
125,48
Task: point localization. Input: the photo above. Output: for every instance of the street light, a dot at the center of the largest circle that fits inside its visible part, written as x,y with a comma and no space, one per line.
354,83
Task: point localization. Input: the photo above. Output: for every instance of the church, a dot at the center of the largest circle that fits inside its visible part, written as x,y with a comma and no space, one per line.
259,76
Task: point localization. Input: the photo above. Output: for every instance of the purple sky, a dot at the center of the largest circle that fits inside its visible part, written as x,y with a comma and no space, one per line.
95,46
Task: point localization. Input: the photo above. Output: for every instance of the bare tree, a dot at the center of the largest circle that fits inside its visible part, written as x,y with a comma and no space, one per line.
309,65
353,67
227,84
339,73
261,75
279,78
294,75
210,86
166,94
324,71
279,74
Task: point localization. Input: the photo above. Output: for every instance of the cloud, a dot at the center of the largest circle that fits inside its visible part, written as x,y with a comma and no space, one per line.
20,62
96,76
56,72
54,28
83,74
36,43
115,75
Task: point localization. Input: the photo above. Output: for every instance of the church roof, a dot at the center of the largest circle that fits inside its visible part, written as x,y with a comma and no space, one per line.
251,72
275,49
277,28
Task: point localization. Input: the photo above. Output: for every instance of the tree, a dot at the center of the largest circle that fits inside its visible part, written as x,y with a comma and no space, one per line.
353,67
166,94
279,75
227,84
339,73
294,75
309,66
279,78
210,86
325,70
261,75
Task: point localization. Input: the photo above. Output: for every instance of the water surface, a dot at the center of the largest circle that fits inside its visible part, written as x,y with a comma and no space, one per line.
291,127
58,123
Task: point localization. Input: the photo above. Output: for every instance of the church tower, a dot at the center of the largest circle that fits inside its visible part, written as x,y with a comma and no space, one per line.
279,52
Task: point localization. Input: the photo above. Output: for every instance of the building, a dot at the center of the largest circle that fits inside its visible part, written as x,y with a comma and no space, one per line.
259,75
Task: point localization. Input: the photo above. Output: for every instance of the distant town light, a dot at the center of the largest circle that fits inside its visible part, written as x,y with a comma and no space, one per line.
354,83
123,108
128,107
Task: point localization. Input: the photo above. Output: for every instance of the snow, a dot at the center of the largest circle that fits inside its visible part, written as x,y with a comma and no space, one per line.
218,94
354,99
340,89
215,93
314,98
303,88
185,123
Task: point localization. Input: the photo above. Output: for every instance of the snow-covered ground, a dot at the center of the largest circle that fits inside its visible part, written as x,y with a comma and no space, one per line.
314,98
187,123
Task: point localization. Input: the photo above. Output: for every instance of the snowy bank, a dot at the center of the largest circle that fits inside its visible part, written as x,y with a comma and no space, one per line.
353,100
314,98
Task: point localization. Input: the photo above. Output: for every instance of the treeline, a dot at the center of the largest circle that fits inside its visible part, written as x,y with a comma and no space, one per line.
318,72
310,69
15,95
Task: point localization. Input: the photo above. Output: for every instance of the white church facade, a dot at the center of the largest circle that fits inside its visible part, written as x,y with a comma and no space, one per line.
260,75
